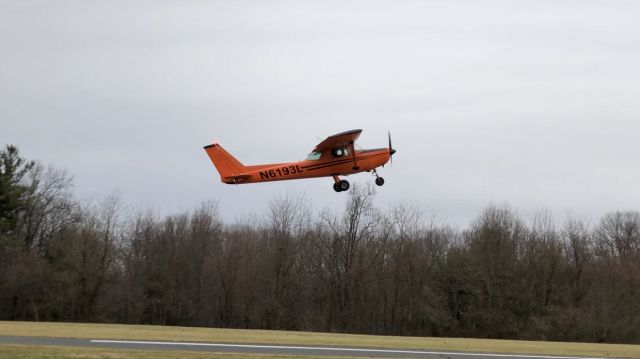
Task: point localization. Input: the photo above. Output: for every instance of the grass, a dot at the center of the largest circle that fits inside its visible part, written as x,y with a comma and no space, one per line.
56,352
148,332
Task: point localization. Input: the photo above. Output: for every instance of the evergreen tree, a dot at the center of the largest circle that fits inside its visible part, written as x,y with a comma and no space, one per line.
13,168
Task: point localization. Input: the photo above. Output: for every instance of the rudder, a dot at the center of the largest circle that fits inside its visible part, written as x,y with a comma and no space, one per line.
225,163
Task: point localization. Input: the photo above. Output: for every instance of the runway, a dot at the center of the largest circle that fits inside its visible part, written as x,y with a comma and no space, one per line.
298,350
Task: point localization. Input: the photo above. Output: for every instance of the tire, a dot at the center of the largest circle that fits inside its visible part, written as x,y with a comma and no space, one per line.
336,187
379,181
343,185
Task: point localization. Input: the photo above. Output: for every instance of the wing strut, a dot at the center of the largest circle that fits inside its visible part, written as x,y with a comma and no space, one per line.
353,153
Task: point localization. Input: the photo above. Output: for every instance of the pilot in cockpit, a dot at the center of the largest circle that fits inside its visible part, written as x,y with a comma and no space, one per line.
339,152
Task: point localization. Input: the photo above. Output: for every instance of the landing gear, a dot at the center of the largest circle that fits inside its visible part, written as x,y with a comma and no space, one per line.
343,185
379,180
340,185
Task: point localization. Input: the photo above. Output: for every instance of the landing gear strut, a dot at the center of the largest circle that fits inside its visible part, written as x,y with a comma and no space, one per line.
379,180
340,185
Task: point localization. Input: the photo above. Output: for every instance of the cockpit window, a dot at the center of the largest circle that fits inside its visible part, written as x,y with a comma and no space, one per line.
314,156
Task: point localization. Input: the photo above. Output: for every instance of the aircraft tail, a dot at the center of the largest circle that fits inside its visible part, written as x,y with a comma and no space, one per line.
226,164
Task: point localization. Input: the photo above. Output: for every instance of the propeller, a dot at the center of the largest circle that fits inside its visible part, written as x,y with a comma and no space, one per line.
391,149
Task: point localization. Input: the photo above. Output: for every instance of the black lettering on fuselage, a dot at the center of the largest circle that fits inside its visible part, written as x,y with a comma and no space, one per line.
280,172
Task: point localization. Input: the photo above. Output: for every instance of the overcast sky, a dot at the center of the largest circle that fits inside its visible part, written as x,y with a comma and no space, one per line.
532,103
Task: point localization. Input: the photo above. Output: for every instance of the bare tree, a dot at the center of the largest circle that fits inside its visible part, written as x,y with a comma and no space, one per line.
578,244
51,206
289,218
619,234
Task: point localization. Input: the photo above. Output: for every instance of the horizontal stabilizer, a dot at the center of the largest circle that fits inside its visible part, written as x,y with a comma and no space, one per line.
236,179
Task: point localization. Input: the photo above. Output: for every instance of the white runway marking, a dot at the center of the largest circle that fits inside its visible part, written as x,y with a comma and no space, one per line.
360,350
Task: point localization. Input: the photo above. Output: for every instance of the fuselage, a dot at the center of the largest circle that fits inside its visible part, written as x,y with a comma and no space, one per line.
326,165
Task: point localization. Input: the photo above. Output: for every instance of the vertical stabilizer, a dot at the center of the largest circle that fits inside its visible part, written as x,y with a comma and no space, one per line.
225,163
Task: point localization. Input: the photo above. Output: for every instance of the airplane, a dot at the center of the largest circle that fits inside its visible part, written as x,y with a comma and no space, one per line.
335,156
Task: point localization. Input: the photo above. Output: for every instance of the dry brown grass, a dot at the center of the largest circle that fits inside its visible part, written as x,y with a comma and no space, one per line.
55,352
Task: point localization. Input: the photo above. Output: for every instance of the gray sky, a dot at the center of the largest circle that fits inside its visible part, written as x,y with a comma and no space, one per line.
533,103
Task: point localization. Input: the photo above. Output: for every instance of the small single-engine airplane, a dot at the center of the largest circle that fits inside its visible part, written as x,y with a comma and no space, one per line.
333,157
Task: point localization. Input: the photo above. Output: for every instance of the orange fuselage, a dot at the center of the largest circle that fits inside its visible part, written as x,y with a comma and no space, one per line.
326,166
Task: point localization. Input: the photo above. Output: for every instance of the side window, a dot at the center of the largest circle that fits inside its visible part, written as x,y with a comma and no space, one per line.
339,152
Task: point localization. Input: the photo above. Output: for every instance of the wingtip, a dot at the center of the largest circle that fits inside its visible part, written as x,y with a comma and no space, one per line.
211,145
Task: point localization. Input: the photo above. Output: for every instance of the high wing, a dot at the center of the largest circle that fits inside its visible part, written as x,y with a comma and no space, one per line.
340,139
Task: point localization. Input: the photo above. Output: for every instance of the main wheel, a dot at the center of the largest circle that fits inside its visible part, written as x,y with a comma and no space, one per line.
379,181
336,187
343,185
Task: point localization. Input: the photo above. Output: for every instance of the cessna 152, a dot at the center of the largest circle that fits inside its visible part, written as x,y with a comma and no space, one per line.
335,156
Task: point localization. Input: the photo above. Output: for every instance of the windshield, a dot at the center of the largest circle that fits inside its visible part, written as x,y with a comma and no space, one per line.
313,156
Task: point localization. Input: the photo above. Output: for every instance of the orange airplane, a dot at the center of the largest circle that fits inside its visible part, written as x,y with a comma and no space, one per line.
335,156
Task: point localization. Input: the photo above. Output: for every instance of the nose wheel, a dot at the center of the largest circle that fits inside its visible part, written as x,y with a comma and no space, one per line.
340,185
379,180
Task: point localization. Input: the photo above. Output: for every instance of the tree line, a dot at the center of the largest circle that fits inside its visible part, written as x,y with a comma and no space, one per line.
361,269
